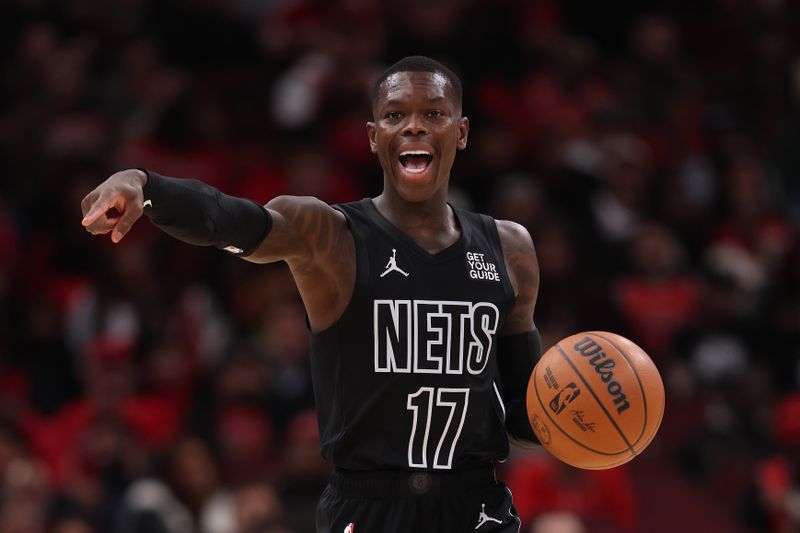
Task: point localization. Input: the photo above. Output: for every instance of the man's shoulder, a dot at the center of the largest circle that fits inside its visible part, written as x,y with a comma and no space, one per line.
513,233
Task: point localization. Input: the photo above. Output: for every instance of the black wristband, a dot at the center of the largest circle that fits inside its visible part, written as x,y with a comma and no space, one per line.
516,357
199,214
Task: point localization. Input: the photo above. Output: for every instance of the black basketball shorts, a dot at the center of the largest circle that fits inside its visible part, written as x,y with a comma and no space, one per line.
418,502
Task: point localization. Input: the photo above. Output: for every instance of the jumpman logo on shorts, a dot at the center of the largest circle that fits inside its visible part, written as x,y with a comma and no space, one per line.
392,265
483,517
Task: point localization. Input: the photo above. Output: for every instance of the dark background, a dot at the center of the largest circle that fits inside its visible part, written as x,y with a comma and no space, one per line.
651,149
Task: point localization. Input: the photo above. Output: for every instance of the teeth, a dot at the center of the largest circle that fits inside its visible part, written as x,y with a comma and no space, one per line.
415,152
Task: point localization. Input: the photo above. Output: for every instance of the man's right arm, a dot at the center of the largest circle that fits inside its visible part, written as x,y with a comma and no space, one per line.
198,214
305,232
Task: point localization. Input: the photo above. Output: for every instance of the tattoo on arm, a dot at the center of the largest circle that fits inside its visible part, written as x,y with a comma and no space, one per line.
314,240
523,268
305,231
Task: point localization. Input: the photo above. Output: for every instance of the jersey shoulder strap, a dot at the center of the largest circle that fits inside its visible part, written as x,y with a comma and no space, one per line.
359,224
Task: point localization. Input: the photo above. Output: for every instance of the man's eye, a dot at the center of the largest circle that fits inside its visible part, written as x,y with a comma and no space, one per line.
435,113
394,115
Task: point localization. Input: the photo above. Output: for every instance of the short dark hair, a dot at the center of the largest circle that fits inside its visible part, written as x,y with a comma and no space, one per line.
419,64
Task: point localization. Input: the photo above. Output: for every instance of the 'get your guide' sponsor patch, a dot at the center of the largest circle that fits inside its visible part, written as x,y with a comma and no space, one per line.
479,268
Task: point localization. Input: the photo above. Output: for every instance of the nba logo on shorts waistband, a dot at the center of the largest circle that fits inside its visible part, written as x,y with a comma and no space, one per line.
350,528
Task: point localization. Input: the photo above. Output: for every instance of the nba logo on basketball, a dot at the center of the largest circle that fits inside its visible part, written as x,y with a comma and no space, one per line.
350,528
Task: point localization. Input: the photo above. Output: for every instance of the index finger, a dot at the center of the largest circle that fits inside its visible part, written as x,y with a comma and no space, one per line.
98,209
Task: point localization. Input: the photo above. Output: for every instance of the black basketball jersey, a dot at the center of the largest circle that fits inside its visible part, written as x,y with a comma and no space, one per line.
407,378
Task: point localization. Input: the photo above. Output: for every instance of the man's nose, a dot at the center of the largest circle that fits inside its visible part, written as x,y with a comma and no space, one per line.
415,126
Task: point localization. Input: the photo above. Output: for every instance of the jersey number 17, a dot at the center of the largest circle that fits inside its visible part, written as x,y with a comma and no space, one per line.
428,406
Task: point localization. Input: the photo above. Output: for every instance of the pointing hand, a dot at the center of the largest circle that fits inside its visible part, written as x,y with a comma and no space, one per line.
114,205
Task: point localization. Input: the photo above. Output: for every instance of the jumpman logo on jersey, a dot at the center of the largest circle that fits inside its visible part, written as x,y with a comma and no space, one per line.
392,265
483,517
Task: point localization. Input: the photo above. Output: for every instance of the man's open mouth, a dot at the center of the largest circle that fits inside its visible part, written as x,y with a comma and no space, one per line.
415,161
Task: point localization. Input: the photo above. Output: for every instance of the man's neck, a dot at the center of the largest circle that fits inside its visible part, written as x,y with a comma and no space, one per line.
431,224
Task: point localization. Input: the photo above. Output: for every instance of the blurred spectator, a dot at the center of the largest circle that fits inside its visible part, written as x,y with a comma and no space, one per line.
304,472
518,198
658,296
258,509
246,444
752,235
284,339
772,505
188,496
602,499
557,522
43,354
97,467
71,524
659,89
572,296
12,444
25,497
620,206
785,318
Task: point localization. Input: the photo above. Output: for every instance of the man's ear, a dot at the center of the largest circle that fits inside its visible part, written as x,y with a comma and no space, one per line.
371,133
463,132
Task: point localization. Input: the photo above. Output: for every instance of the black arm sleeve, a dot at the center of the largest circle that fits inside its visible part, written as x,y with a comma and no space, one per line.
516,357
199,214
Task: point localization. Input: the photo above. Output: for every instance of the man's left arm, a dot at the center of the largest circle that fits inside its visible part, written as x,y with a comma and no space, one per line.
519,345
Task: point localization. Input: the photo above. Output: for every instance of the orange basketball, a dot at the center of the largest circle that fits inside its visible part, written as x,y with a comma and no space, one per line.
595,400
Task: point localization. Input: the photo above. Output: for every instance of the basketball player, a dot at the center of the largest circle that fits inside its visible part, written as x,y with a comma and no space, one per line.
421,314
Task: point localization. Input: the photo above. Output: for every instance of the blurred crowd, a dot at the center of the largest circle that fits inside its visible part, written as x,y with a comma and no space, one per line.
651,149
